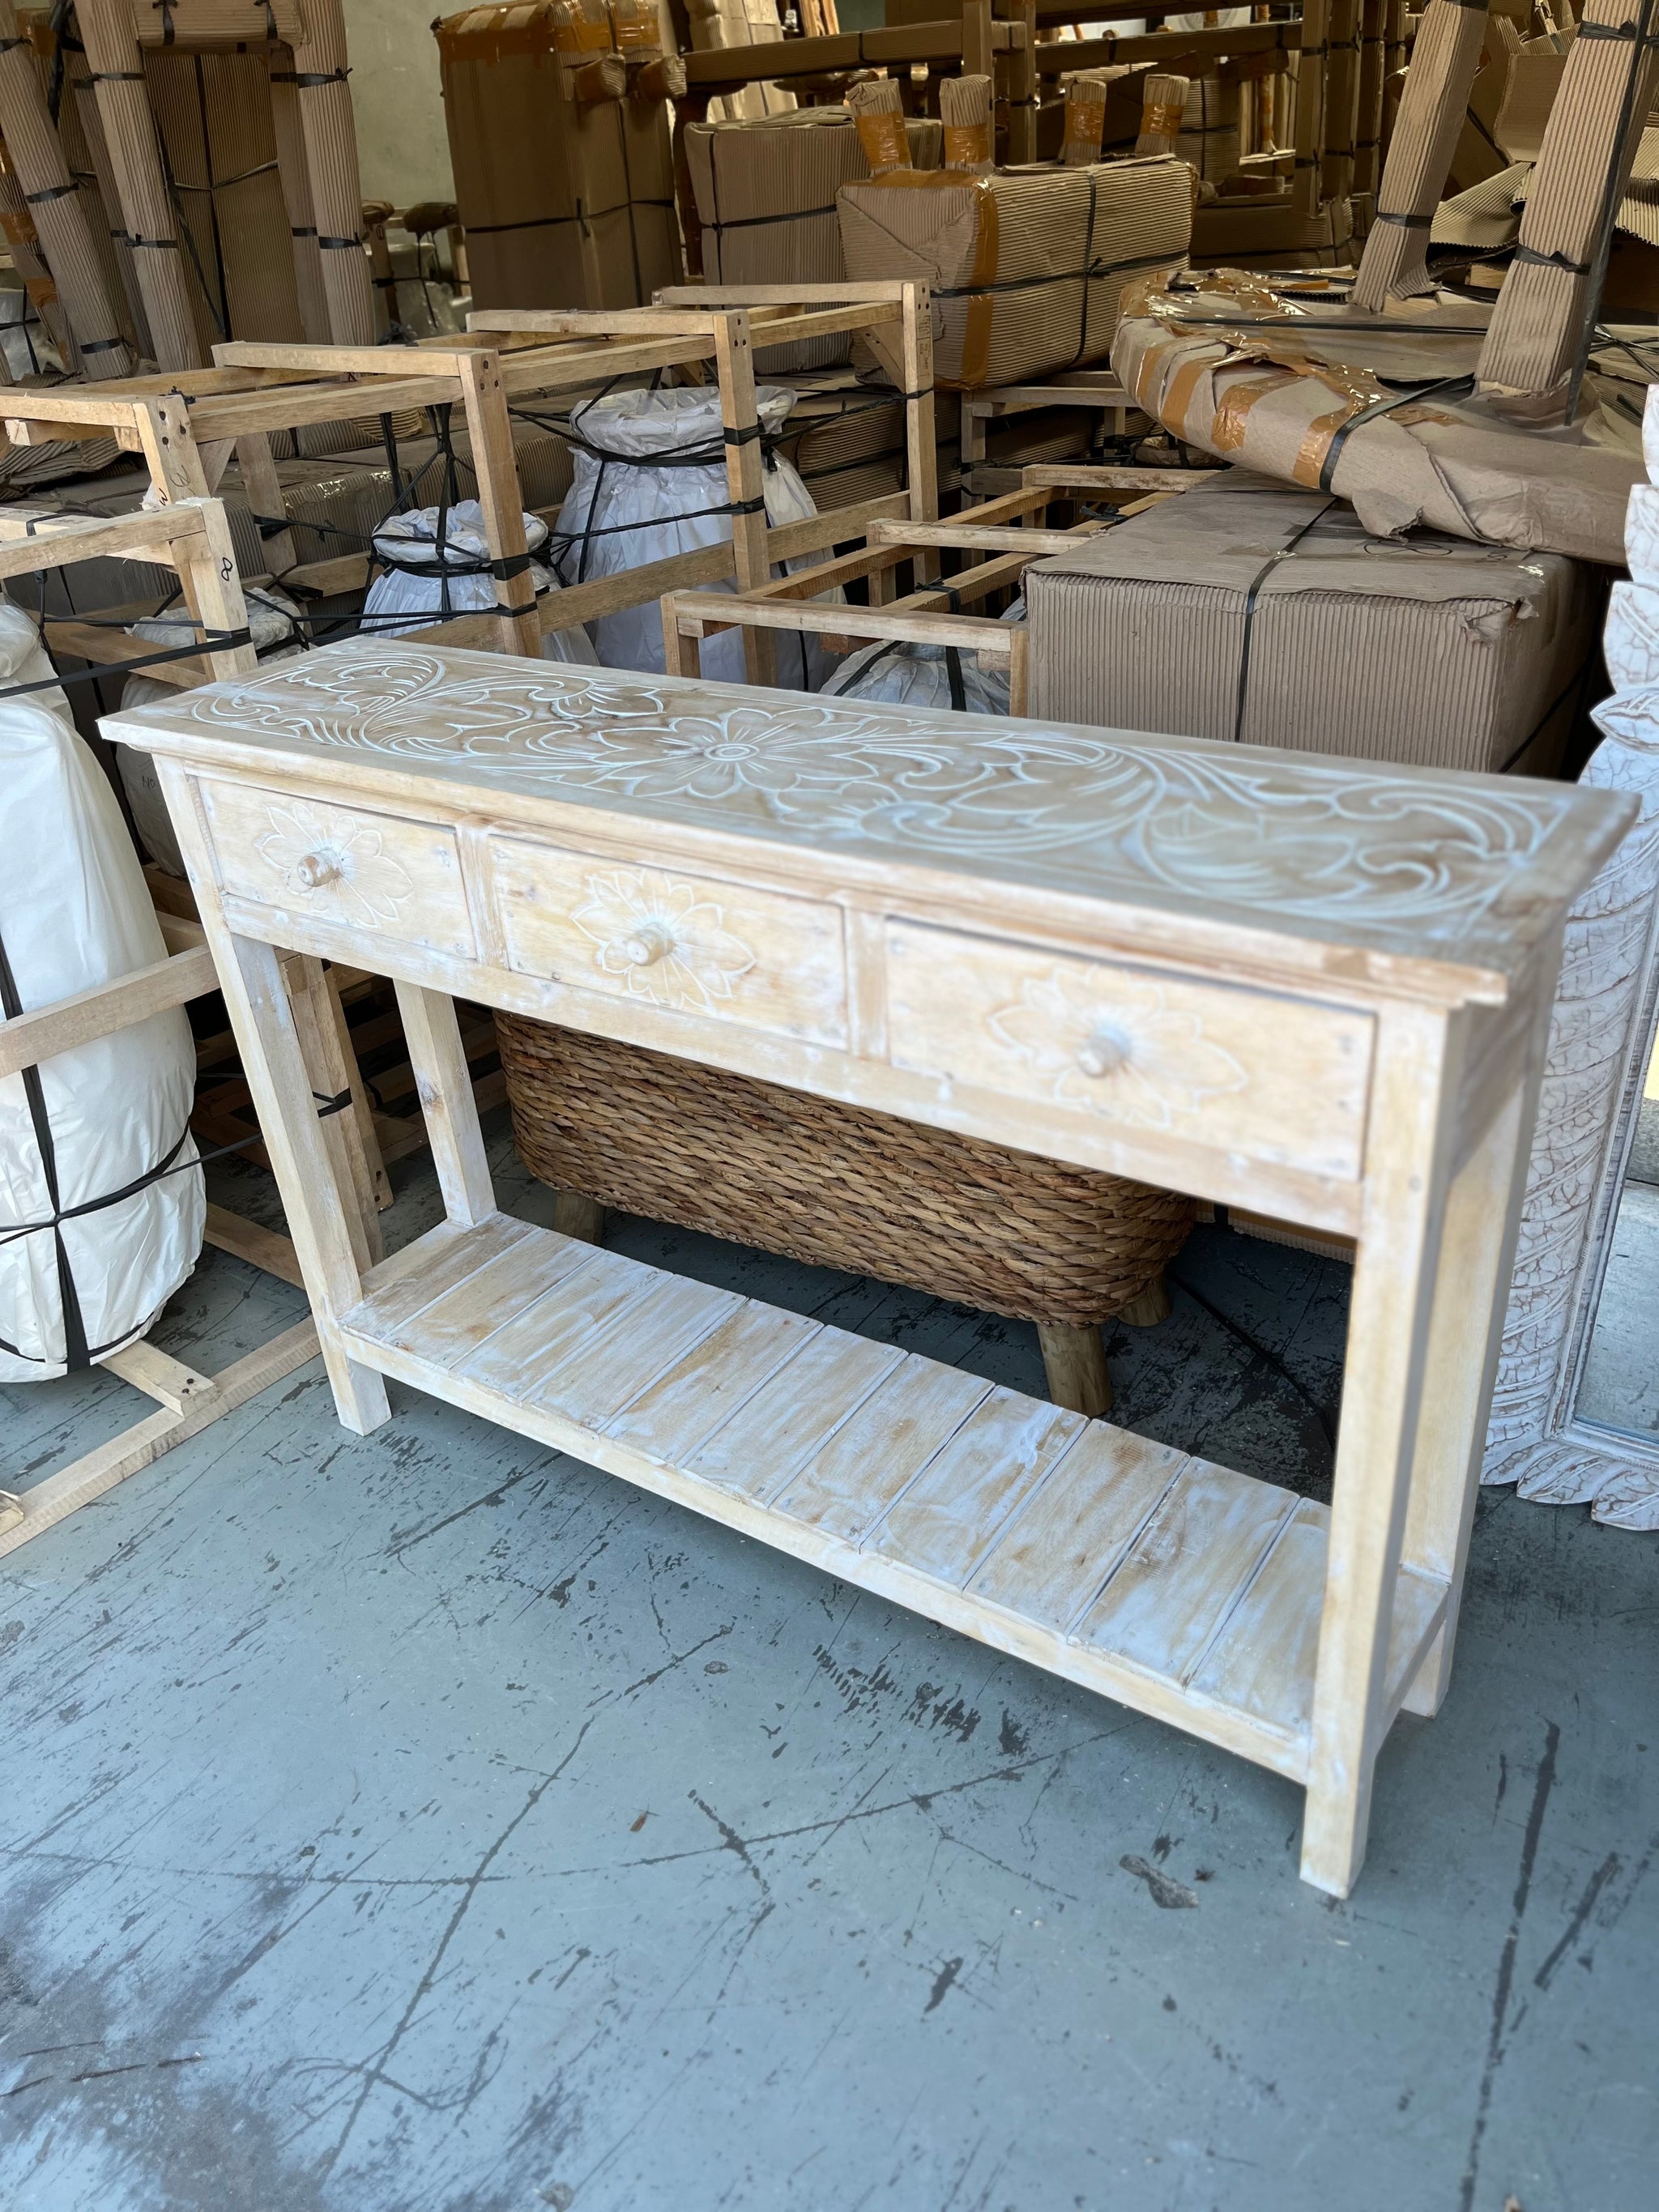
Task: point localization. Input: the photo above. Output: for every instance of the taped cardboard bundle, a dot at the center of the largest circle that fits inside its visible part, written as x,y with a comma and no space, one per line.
1271,231
563,168
845,441
764,194
1027,266
1300,405
1251,612
965,109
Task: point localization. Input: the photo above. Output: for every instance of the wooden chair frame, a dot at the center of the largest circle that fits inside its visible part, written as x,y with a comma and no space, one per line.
1008,529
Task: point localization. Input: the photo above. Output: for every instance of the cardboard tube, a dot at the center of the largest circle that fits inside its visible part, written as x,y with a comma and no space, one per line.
1164,101
880,118
1085,118
964,107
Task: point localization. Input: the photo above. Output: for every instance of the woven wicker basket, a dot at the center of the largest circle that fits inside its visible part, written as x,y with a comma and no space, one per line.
834,1185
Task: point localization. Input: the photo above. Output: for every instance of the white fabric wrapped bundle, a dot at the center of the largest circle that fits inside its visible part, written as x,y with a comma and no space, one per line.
271,617
906,675
650,481
75,913
411,595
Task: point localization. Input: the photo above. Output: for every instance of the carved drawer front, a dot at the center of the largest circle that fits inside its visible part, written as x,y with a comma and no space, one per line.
1134,1046
340,864
663,938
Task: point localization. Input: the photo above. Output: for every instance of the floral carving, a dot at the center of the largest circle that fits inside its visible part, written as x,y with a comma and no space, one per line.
668,940
1115,1047
1357,849
313,848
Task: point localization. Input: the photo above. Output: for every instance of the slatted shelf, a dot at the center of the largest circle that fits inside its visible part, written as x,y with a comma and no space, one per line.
1174,1585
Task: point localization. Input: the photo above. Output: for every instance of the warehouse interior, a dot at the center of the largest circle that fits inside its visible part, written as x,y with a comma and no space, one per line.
828,1105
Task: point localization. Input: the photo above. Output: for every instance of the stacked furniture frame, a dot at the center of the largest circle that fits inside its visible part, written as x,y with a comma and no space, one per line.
186,425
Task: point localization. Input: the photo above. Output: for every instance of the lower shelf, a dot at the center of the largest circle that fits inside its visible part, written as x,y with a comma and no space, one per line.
1167,1583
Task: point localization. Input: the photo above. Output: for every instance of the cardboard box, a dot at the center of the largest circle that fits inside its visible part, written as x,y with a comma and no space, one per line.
1026,265
565,202
1248,610
764,193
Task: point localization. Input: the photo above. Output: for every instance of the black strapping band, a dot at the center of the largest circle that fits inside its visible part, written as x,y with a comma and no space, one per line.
744,437
171,244
339,245
115,77
100,345
51,193
1461,384
1285,552
1533,259
305,79
1405,221
1625,33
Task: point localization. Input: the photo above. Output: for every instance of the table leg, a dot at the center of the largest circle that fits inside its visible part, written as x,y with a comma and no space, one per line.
444,1086
1477,1261
257,1000
1414,1098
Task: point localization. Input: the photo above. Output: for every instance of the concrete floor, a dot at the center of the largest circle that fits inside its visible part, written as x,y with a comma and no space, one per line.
426,1823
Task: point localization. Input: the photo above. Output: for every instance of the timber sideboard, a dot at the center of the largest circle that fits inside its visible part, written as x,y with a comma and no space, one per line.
1312,987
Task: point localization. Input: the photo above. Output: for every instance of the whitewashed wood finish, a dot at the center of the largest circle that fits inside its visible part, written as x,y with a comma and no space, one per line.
1133,1046
676,940
1601,1035
916,1520
1343,968
1416,864
340,864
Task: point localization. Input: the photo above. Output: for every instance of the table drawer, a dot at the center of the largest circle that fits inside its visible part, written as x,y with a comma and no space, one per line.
340,864
685,943
1278,1080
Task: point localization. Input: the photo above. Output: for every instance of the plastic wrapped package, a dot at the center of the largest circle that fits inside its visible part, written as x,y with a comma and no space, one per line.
650,482
273,617
85,1276
900,674
424,584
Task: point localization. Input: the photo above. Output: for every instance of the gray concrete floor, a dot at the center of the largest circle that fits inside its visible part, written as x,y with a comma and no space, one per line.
428,1823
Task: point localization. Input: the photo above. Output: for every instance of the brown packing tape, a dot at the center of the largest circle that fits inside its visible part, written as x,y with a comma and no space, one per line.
1312,453
1227,429
885,139
1161,122
976,338
966,145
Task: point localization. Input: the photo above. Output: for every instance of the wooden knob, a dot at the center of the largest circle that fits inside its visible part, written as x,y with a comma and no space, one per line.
650,942
316,870
1104,1054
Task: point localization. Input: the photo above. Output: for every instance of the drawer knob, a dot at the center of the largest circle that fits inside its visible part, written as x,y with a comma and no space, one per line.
317,869
1104,1054
649,943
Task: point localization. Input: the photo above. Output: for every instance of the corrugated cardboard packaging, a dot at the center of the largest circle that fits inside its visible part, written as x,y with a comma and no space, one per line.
1246,609
1026,265
565,203
765,197
1302,404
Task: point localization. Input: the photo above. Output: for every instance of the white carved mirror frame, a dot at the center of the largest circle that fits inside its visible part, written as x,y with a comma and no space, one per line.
1602,1041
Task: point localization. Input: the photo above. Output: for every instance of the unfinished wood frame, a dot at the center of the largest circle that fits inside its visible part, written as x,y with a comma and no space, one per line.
1007,530
1378,1058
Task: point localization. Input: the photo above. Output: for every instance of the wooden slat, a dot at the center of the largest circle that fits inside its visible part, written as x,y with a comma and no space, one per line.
626,1354
845,1488
1071,1533
947,1520
427,1271
454,1326
793,1416
672,1416
43,1032
523,1358
1185,1571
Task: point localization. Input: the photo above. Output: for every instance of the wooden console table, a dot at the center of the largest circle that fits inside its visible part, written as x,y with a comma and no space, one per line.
1316,988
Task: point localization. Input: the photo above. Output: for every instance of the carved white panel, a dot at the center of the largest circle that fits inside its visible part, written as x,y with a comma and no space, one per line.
1600,1037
